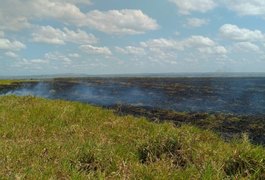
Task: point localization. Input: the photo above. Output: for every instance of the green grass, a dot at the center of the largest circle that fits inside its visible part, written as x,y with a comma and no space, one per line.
53,139
10,82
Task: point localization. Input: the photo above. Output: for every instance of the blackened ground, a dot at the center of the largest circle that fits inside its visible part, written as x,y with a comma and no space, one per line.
229,106
227,126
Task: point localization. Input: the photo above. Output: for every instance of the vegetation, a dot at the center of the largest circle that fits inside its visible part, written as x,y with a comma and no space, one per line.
10,82
50,139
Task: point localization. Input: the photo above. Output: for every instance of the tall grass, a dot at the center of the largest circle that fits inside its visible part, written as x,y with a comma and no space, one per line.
51,139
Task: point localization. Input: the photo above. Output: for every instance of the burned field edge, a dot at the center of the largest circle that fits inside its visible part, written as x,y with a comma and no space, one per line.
228,126
8,85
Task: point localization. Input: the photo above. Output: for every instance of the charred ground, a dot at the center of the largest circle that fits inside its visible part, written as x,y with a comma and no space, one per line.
229,106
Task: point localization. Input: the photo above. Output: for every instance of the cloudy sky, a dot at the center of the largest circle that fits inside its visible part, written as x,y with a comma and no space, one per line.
131,36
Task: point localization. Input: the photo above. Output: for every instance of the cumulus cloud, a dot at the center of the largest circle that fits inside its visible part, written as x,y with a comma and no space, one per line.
233,32
174,50
65,12
13,23
188,6
11,45
49,60
85,2
194,41
246,7
162,43
60,59
196,22
38,61
16,15
50,35
219,50
74,55
241,7
32,64
11,54
55,56
89,49
246,47
126,21
131,50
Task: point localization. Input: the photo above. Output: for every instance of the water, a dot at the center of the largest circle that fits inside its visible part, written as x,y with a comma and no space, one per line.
244,96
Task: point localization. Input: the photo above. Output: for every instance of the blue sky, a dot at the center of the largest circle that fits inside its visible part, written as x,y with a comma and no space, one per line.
122,36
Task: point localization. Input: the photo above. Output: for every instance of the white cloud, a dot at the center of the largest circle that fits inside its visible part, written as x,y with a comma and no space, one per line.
191,42
13,23
65,12
11,54
193,48
56,56
50,35
32,64
246,47
16,15
233,32
241,7
74,55
196,22
126,21
11,45
131,50
79,37
162,43
38,61
58,59
96,50
83,2
247,7
198,41
220,50
187,6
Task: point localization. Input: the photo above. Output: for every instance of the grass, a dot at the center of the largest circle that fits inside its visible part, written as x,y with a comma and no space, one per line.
10,82
55,139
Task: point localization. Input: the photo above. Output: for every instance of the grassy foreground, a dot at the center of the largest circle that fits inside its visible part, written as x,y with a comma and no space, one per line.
43,139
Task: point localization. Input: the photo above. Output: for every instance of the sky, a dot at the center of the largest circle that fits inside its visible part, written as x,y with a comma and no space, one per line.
42,37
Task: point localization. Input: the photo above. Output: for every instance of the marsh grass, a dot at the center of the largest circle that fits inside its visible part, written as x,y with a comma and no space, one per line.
55,139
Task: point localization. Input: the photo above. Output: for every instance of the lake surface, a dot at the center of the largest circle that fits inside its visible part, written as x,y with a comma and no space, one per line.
243,96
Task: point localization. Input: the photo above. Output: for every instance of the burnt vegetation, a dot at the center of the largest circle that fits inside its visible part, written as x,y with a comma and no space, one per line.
56,139
228,106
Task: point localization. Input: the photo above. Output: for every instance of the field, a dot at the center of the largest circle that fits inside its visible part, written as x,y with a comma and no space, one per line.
44,139
57,139
228,106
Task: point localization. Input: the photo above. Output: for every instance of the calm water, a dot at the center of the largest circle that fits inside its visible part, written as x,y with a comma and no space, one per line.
228,95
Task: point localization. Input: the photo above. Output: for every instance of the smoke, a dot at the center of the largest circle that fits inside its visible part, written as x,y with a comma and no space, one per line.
100,94
229,95
40,89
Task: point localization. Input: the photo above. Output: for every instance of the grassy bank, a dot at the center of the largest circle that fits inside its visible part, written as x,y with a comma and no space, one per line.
41,139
